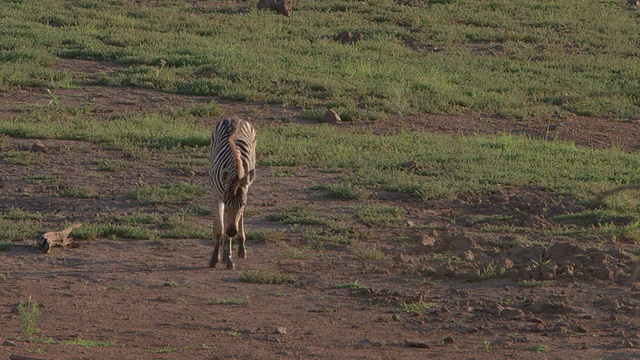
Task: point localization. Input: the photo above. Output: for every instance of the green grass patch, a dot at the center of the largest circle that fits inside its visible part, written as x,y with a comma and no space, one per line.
26,158
491,271
16,213
242,302
11,230
296,254
167,193
417,308
113,165
179,227
514,59
380,215
266,277
296,215
186,163
264,235
540,348
113,231
369,254
80,192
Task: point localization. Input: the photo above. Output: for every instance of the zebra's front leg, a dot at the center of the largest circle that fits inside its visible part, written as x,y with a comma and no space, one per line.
218,212
215,257
227,252
242,250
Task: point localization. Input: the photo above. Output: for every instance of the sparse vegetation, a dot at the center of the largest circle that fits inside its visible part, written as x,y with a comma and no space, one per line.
369,254
266,277
537,283
25,158
80,192
417,308
540,348
490,271
354,285
167,194
228,302
264,235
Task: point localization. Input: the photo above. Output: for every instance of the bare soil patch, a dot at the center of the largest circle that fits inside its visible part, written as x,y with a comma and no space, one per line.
432,295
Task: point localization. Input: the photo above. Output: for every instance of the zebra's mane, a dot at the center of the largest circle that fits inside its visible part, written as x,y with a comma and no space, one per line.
240,171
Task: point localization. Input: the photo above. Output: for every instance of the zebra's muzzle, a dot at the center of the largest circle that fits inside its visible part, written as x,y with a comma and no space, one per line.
231,232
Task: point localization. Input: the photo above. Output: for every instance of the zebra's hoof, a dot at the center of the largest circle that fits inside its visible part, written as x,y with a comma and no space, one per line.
242,254
231,266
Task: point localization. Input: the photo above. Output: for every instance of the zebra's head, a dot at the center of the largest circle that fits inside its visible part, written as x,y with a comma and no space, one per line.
235,199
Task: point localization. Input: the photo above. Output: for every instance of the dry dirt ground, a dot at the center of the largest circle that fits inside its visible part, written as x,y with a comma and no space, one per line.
158,299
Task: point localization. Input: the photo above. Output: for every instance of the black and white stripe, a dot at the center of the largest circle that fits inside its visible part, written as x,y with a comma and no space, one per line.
232,159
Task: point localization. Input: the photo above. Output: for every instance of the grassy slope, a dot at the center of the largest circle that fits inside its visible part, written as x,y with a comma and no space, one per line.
496,57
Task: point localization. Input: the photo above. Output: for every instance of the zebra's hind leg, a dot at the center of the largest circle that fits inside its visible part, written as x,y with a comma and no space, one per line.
227,253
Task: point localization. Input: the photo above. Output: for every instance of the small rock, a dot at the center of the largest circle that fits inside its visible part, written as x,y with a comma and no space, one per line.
346,37
427,240
448,340
39,147
416,344
280,330
283,7
332,117
8,343
409,165
512,314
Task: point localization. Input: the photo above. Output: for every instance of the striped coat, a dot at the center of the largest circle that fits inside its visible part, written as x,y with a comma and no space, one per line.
232,160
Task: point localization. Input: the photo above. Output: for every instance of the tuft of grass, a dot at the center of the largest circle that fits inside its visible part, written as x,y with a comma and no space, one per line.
296,215
540,348
379,215
28,312
80,192
264,235
164,350
266,277
228,302
490,271
354,285
171,283
369,254
295,254
89,343
417,308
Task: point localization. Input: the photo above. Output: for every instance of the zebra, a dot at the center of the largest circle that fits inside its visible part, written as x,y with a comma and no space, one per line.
232,161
